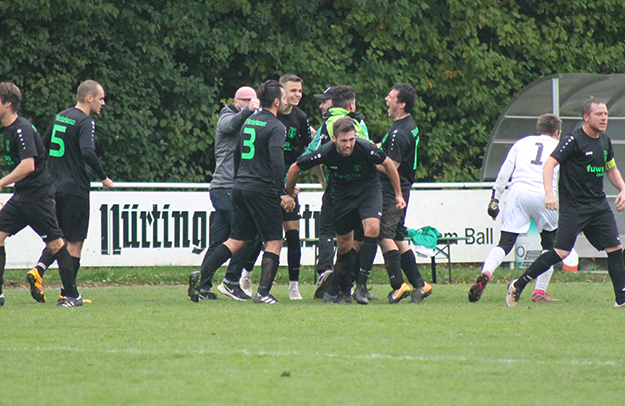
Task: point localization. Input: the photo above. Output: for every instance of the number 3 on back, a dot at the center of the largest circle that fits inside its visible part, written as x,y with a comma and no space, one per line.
249,143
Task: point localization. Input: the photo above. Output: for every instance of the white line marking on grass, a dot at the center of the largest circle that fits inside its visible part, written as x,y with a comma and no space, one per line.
375,356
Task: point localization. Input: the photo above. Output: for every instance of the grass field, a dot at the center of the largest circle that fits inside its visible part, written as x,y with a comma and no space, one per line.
149,345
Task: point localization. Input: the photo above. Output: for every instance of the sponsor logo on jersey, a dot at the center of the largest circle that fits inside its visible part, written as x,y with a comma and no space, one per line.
65,120
257,123
599,170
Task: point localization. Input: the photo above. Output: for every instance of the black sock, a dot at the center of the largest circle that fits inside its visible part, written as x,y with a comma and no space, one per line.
3,260
251,261
66,271
539,266
209,266
294,254
392,261
342,279
410,268
76,266
45,260
269,268
617,274
367,255
355,266
76,263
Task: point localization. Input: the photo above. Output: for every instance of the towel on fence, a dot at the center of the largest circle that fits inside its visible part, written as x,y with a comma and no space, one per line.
424,240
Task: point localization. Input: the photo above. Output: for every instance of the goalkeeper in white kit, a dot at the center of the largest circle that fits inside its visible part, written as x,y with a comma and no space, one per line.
526,201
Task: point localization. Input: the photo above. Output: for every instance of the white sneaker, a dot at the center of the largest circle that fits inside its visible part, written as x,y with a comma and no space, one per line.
294,293
246,284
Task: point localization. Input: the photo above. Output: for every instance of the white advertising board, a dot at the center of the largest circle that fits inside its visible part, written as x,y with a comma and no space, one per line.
172,227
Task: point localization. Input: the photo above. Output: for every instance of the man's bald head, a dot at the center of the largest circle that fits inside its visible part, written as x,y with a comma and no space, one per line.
244,96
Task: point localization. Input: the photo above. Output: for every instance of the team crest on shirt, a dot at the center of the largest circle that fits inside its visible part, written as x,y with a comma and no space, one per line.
292,132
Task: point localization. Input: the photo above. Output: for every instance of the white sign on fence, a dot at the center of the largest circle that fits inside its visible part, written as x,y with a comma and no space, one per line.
172,227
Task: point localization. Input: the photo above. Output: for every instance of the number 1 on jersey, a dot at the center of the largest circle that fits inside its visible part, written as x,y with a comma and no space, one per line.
539,154
59,141
249,143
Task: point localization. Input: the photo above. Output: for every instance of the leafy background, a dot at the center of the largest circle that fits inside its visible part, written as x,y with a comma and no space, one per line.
168,67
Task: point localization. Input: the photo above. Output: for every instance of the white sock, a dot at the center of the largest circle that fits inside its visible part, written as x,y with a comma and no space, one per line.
293,285
543,280
493,260
245,273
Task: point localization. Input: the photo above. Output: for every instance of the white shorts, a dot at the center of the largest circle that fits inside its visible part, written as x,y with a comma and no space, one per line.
523,206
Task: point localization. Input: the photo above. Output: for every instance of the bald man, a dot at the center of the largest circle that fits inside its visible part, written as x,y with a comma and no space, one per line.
231,119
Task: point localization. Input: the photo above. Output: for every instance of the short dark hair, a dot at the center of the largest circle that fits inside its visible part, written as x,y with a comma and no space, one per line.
289,77
9,92
548,124
588,105
406,94
342,126
268,92
86,88
342,96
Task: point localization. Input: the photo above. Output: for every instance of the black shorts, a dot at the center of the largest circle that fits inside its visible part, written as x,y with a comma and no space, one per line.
599,228
72,212
326,219
392,221
255,213
359,233
292,216
349,213
39,214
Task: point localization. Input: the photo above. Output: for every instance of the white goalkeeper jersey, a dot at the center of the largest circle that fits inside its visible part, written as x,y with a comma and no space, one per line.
524,165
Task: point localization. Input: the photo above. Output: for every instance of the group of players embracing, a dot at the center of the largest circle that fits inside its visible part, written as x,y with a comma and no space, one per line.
367,186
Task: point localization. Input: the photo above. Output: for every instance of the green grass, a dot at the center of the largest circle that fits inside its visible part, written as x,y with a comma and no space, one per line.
159,275
149,345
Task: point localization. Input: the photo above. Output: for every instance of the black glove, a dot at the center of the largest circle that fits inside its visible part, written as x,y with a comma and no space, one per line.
493,208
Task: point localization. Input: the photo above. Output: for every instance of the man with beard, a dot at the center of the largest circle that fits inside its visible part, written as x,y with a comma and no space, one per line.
356,201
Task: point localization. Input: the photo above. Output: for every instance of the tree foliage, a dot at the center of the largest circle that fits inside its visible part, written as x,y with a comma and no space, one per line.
168,67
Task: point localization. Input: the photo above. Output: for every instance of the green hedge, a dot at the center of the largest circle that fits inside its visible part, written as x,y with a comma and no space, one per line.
168,67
